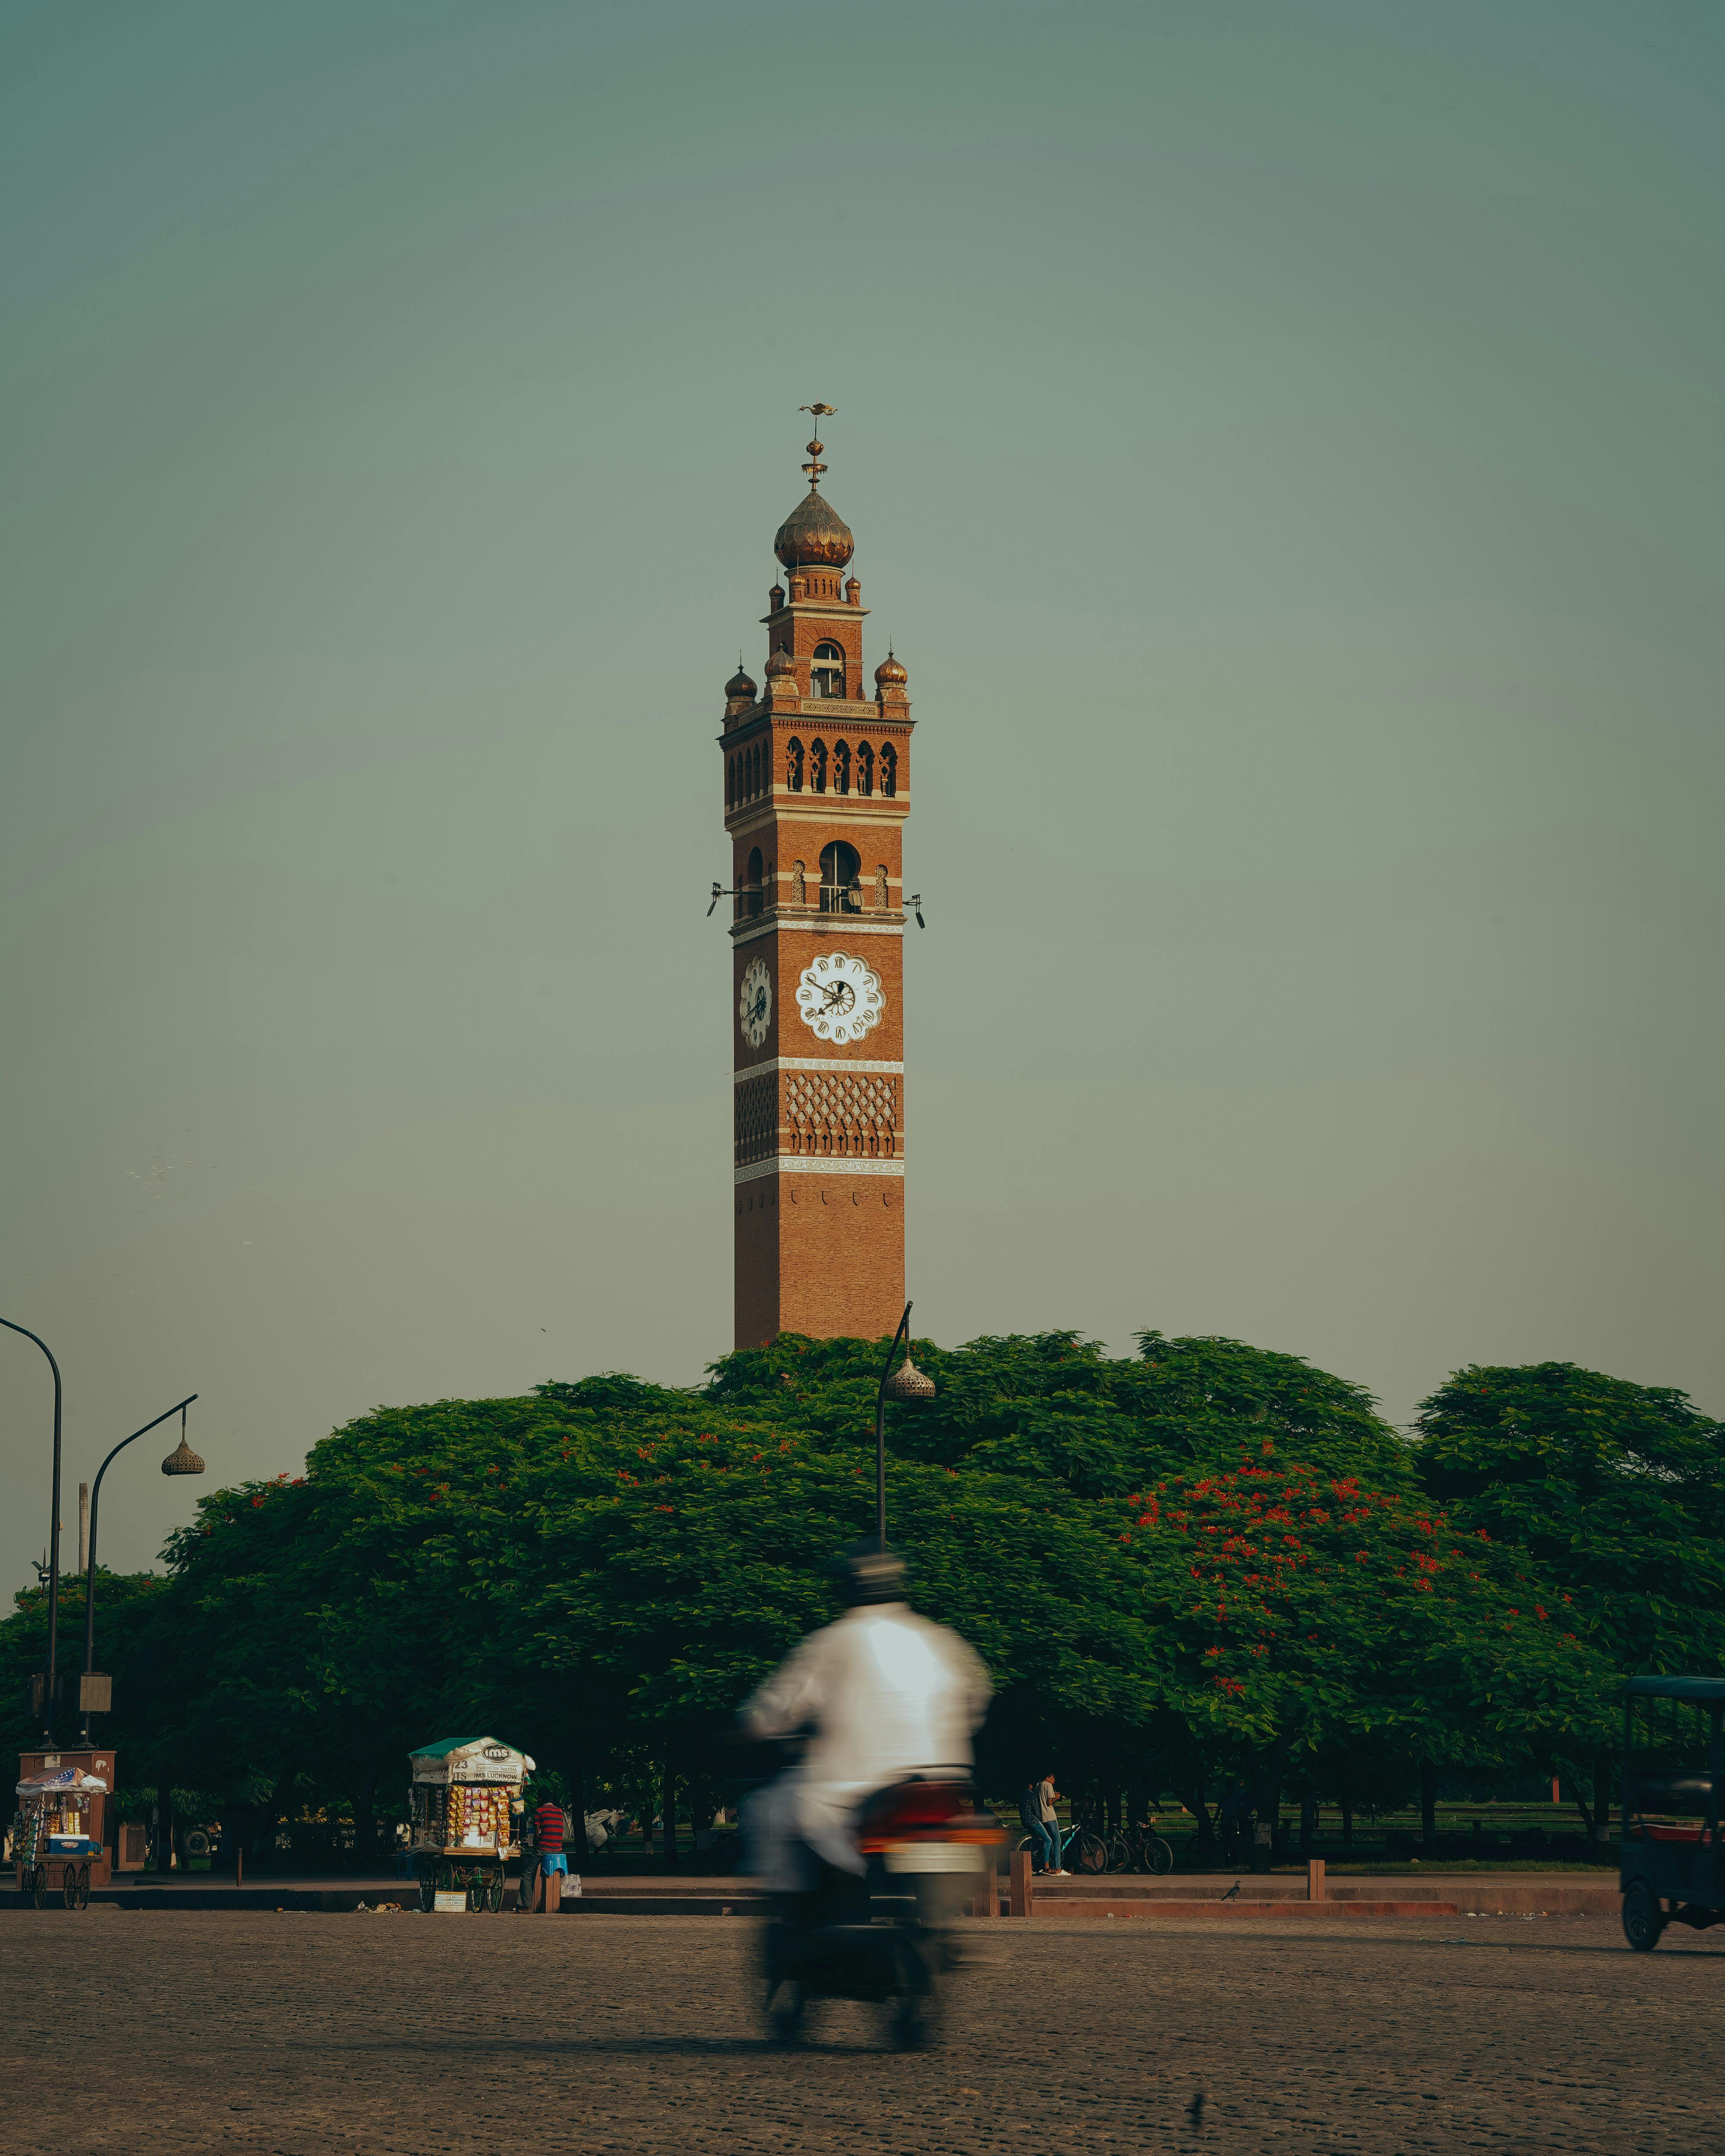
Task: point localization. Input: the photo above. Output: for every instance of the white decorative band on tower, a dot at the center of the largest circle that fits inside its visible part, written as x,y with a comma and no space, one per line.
832,1164
816,1063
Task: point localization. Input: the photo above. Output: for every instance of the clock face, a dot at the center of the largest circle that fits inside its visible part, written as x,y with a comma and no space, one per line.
754,1005
838,999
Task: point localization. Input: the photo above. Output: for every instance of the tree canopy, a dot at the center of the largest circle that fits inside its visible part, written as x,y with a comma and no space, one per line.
1203,1559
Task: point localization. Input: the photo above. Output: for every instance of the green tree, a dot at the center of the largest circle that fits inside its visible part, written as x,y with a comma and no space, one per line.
1617,1490
1295,1615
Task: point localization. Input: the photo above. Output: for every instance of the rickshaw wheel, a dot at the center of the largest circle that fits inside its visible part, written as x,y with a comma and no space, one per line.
38,1885
1643,1919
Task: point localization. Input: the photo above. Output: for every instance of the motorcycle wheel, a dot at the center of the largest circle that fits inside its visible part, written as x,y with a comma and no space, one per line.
1643,1919
787,2014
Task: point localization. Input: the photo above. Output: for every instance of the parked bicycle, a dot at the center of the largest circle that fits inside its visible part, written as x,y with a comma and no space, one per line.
1140,1848
1082,1849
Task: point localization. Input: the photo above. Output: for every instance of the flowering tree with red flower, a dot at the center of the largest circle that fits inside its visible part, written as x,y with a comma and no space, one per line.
1294,1612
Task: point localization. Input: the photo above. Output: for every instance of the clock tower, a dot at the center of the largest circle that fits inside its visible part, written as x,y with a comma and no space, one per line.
817,787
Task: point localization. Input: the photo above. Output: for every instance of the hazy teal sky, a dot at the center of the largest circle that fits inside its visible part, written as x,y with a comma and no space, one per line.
1284,442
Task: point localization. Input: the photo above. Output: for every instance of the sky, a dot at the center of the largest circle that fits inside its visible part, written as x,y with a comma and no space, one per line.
1283,439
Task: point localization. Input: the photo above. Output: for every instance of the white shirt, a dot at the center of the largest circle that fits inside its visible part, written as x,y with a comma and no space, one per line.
888,1694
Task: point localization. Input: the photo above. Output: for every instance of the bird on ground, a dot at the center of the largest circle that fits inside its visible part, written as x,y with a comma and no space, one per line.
1232,1892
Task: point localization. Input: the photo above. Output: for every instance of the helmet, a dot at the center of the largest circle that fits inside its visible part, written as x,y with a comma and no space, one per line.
866,1572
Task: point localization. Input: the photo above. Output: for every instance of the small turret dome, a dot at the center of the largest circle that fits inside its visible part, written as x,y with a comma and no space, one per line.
739,685
890,674
780,663
814,534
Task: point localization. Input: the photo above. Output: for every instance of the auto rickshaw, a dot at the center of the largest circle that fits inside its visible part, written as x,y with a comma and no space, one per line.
1673,1773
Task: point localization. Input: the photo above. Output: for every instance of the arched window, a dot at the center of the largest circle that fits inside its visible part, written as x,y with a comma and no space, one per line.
730,781
840,890
754,771
883,888
841,769
794,765
818,766
865,768
752,881
799,884
889,770
827,674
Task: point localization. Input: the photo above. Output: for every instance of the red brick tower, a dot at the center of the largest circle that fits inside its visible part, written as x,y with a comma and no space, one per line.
817,787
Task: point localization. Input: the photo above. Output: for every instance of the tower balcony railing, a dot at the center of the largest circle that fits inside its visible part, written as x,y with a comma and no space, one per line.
841,898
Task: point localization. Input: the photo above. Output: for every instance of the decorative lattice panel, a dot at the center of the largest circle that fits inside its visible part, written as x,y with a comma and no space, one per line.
844,1113
757,1120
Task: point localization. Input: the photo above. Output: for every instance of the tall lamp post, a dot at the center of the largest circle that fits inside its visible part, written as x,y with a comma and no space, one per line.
906,1383
53,1536
182,1460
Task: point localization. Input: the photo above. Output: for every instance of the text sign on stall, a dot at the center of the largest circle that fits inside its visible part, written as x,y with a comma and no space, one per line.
450,1905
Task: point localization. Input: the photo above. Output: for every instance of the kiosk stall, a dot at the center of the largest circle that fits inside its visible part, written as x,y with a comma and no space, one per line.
466,1812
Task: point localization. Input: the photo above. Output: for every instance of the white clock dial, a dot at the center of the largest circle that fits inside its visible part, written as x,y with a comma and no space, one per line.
838,999
754,1005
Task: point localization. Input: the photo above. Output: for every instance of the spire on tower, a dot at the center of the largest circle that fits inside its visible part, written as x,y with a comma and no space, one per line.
815,468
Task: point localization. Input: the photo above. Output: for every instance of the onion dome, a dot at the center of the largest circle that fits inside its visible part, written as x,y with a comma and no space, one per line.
890,674
814,534
775,597
739,685
780,663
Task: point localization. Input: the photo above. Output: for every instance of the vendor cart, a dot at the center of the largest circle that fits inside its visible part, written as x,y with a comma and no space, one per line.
57,1834
466,1810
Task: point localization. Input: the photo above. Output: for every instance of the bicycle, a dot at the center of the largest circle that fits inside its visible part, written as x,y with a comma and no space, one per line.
1088,1852
1140,1848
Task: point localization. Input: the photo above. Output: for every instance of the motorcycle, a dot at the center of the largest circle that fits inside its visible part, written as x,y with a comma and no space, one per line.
888,1937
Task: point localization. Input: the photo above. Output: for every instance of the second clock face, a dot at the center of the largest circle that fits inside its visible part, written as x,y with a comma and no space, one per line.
754,1005
838,999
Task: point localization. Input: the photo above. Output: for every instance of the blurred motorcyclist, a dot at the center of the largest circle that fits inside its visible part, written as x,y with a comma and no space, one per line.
885,1694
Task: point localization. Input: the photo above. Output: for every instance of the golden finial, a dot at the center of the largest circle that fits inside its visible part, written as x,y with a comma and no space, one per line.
815,468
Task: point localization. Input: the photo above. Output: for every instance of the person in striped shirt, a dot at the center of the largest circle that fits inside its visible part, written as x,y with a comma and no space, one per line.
550,1830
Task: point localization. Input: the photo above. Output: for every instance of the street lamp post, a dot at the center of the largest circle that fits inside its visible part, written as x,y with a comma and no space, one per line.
54,1536
182,1460
906,1383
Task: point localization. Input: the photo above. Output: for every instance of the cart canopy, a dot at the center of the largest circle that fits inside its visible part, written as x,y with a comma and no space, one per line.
469,1759
1677,1687
73,1779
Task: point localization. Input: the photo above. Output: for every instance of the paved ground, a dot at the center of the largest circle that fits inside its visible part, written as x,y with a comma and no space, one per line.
300,2034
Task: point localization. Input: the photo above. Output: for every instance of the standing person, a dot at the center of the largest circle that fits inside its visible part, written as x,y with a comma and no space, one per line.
1050,1797
1045,1842
550,1829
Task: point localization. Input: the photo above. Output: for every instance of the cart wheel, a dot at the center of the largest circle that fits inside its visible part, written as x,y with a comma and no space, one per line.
38,1885
428,1890
446,1879
494,1892
69,1886
84,1885
1643,1919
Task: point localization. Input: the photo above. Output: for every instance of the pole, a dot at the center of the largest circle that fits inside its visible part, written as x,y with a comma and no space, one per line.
54,1535
179,1407
903,1332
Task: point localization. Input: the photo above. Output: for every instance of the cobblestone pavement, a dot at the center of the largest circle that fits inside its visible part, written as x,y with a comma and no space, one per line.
302,2034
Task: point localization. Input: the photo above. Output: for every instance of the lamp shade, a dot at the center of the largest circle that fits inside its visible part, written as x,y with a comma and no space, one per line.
182,1460
908,1383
